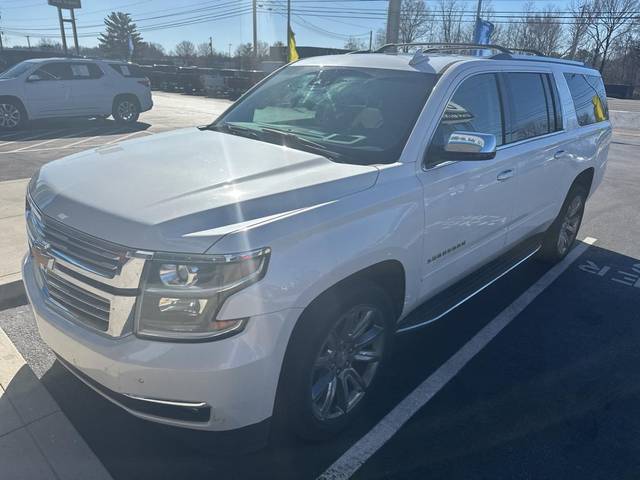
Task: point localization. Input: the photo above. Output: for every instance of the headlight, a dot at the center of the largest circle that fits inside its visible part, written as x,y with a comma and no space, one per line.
182,294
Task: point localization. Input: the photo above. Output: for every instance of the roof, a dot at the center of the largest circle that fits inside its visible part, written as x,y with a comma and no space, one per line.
433,63
429,62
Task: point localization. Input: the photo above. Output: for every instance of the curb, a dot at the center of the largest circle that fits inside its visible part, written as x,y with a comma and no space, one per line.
12,294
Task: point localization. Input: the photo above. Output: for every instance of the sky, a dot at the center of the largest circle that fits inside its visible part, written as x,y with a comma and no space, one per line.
327,23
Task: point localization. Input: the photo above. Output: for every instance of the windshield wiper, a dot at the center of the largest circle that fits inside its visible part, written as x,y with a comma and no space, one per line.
293,140
233,130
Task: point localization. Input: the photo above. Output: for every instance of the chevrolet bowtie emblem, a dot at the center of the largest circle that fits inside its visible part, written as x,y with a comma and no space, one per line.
41,255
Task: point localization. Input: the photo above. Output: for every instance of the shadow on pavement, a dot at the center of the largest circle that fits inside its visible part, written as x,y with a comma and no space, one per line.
590,312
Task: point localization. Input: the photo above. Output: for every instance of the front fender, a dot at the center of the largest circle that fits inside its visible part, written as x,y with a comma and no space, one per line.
315,249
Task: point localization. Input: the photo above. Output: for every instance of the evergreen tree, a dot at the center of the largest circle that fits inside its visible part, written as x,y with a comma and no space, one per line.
114,42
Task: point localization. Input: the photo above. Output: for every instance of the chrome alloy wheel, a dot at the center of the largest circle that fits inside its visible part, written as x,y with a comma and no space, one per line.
127,110
347,362
570,224
10,115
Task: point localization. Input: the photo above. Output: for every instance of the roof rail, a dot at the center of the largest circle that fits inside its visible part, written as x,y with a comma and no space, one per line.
435,47
504,52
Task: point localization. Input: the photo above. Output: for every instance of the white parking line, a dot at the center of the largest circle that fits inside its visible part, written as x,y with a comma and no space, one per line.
111,132
69,135
33,137
124,137
364,448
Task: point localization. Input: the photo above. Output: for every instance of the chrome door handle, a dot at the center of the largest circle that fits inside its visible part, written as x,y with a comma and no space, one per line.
506,175
558,154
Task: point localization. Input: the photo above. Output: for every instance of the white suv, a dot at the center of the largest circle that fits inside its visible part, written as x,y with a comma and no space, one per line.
66,87
264,263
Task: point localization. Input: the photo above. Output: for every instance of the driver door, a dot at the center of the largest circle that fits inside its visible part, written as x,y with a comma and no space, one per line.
48,90
468,204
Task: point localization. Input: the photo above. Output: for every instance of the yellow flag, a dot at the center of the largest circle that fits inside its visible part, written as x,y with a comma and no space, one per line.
293,53
598,109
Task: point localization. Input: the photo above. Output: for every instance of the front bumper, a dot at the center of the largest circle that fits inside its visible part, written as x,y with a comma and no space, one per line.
234,379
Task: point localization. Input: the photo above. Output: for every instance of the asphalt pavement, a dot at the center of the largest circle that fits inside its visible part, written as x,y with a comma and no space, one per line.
556,393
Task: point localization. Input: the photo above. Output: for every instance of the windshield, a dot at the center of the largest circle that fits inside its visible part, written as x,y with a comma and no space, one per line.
362,115
17,70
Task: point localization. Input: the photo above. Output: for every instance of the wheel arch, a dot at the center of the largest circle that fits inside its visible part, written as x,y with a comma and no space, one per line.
18,101
584,178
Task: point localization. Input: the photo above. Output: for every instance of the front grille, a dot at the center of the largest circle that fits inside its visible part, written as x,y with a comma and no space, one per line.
83,306
87,252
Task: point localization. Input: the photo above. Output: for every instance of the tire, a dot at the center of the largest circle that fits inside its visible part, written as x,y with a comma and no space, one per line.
323,361
126,110
562,234
12,115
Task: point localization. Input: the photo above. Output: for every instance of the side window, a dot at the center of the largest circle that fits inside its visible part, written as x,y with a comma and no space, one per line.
474,107
589,98
85,71
54,71
531,114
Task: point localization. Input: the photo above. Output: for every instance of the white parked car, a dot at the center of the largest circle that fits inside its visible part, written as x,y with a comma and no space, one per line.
69,87
264,263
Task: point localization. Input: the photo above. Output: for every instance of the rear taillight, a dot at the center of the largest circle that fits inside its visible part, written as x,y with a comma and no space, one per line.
145,82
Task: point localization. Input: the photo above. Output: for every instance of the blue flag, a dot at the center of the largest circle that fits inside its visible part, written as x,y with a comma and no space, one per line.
483,32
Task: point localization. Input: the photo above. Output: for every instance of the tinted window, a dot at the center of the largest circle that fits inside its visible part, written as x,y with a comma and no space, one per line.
554,103
85,71
474,107
530,112
589,98
133,71
55,71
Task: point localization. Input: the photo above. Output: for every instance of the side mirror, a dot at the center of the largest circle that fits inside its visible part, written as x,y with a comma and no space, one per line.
34,77
470,146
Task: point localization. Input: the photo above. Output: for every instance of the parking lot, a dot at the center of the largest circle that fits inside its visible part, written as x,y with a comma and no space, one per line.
22,152
536,377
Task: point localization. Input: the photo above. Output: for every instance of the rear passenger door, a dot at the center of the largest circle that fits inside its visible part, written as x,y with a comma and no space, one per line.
534,142
89,92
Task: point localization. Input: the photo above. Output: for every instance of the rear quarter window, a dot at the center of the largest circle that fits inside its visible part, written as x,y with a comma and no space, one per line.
129,71
589,98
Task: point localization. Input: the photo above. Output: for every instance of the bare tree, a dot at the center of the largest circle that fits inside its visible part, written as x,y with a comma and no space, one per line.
415,21
204,49
536,30
451,13
354,44
185,49
609,20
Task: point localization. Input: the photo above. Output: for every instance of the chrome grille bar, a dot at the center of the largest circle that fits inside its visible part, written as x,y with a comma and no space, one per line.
83,306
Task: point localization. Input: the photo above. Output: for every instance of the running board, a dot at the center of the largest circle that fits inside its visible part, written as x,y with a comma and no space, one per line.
465,289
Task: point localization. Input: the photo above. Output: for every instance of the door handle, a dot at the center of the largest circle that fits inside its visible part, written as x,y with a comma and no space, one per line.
558,154
506,175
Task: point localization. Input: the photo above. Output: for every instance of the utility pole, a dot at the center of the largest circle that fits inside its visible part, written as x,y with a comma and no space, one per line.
255,28
28,42
370,39
211,46
288,28
75,32
393,21
1,45
62,33
230,50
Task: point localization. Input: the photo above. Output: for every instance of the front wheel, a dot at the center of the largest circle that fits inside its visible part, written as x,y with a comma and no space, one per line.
563,232
12,115
126,110
336,356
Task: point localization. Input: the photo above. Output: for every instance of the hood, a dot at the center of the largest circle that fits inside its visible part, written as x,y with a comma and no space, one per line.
183,190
